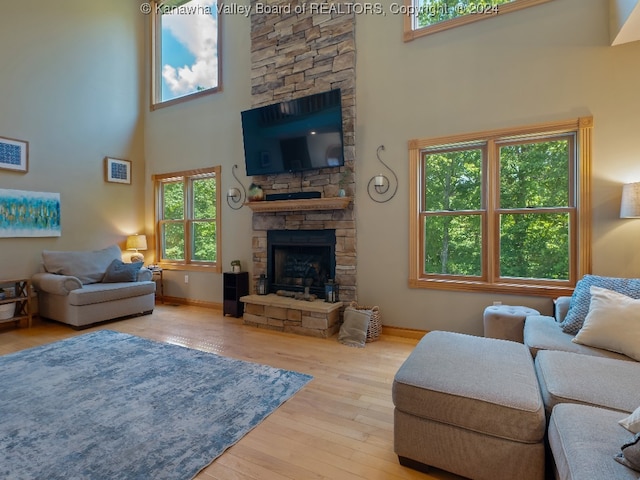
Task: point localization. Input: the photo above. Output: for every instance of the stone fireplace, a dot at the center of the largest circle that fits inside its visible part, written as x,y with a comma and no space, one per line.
299,259
294,55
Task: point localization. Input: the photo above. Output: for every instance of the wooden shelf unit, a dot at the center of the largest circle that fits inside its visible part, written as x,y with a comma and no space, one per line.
21,299
235,285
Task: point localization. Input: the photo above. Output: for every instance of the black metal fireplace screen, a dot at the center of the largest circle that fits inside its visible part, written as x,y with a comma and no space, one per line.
300,258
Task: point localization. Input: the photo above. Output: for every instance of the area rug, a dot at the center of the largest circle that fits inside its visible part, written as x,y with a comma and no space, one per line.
108,405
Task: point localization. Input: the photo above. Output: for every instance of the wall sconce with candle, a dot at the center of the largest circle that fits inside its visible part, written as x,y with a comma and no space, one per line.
630,203
235,197
380,187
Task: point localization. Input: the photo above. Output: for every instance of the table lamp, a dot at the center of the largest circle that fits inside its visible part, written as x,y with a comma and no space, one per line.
137,242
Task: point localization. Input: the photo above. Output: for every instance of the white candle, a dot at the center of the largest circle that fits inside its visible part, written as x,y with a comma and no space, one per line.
379,181
231,192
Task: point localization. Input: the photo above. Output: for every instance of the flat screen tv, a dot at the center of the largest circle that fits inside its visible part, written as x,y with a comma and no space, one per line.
295,135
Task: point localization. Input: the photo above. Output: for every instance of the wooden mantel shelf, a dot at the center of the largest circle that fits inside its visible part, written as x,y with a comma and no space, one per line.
331,203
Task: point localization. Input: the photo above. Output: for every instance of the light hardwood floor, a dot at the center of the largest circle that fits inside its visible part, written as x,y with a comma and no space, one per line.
339,426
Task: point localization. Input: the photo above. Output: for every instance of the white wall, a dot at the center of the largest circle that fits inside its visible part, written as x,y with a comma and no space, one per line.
203,133
71,85
546,63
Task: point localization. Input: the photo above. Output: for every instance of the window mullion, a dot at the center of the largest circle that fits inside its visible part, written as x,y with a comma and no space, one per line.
188,217
492,233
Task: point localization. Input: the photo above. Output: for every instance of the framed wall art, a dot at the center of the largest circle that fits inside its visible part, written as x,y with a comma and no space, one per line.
14,155
117,171
29,214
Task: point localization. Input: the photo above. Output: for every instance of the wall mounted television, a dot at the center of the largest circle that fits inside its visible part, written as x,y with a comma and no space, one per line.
294,135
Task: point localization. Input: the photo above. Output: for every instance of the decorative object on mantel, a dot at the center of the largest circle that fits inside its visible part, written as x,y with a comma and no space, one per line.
236,266
256,194
262,287
136,242
44,221
14,155
379,186
235,197
331,291
630,204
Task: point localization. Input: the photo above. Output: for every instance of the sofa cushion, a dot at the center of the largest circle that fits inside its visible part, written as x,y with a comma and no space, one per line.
613,323
566,377
632,422
118,271
584,441
87,266
630,454
581,298
544,333
106,292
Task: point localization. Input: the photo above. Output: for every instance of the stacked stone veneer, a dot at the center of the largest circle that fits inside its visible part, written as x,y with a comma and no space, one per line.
314,319
294,55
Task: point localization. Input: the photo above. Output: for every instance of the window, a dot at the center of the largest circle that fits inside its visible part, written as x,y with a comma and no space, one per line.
503,211
187,218
185,57
423,17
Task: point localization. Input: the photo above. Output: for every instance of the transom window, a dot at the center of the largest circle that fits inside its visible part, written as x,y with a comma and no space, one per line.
424,17
186,50
187,218
503,210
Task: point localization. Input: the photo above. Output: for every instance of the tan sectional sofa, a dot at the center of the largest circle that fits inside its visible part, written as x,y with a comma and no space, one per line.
81,288
586,390
466,404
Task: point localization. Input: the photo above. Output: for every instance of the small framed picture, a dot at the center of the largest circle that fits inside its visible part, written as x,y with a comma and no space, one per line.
117,171
14,155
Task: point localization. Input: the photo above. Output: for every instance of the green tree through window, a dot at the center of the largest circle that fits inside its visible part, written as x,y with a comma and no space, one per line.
424,17
502,209
188,217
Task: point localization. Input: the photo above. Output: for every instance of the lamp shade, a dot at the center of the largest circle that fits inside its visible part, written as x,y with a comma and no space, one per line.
630,204
136,242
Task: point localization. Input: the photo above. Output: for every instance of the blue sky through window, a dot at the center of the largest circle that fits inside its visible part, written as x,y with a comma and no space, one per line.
189,54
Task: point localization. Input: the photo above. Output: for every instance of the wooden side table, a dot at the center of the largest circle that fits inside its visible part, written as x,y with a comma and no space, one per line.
159,279
18,303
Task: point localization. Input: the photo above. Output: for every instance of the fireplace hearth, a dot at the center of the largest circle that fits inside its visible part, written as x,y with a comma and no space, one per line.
297,259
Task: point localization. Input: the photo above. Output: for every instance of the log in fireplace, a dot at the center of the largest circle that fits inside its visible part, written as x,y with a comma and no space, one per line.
301,258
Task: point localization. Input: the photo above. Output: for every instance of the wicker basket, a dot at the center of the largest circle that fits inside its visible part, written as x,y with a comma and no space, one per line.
375,324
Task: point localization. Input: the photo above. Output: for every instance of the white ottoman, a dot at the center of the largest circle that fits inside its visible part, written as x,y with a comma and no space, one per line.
506,322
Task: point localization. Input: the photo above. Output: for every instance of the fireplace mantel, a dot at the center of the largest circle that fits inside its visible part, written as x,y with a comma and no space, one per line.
330,203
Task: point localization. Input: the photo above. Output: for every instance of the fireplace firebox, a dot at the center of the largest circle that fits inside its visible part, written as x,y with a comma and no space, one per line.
301,258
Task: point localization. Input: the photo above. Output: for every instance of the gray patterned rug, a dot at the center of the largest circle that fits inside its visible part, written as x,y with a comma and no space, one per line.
108,405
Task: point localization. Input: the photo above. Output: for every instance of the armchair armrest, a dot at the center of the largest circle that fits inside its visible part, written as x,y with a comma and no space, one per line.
145,275
561,307
54,283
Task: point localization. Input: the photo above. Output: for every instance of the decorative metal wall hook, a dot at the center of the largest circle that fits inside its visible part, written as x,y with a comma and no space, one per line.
235,197
379,187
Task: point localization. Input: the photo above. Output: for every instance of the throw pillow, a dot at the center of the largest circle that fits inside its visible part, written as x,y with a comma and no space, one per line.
632,422
630,454
579,304
118,271
353,331
613,323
